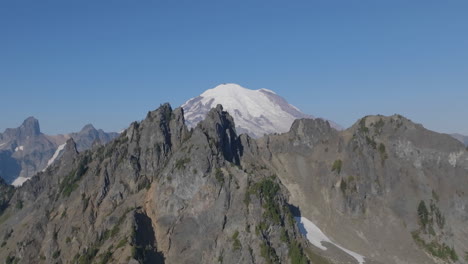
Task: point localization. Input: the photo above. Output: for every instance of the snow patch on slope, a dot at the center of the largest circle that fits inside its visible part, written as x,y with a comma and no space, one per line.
19,181
56,154
19,148
316,237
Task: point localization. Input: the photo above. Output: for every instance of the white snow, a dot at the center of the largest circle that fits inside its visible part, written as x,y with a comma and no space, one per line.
19,148
2,144
19,181
316,237
57,152
266,90
257,111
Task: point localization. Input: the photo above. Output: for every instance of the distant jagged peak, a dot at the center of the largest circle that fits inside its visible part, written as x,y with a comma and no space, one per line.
88,127
30,126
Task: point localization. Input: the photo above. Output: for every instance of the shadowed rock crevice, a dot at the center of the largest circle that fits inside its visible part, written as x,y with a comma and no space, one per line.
220,128
145,244
10,168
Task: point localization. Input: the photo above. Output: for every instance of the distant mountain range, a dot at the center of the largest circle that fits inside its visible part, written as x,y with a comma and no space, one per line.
255,112
463,139
24,151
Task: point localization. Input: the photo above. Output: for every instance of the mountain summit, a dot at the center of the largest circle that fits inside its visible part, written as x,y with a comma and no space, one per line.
255,112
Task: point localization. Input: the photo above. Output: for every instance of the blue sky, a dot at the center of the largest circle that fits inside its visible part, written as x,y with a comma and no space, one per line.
69,63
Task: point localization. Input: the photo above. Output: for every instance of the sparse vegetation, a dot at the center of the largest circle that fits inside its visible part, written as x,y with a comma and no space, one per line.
106,257
423,214
316,258
296,254
268,253
56,254
337,166
436,249
266,190
236,244
426,220
180,164
362,126
90,253
383,152
284,236
11,260
121,243
378,126
87,256
19,205
261,228
371,142
70,182
219,175
64,214
437,215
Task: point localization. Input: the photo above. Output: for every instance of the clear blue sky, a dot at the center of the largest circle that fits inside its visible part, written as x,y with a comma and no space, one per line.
69,63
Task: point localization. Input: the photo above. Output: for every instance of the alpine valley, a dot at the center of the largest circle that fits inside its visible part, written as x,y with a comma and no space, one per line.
241,176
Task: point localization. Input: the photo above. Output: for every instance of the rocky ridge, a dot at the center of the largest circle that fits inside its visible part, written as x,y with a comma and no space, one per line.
386,188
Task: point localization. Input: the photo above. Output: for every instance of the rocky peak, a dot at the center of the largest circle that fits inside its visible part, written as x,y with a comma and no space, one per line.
159,134
306,126
88,127
29,128
219,126
70,149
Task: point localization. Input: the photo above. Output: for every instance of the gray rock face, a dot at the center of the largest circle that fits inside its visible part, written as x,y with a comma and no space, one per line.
24,151
365,186
160,193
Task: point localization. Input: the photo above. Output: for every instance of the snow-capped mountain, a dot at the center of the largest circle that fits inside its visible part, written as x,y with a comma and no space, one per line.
255,112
